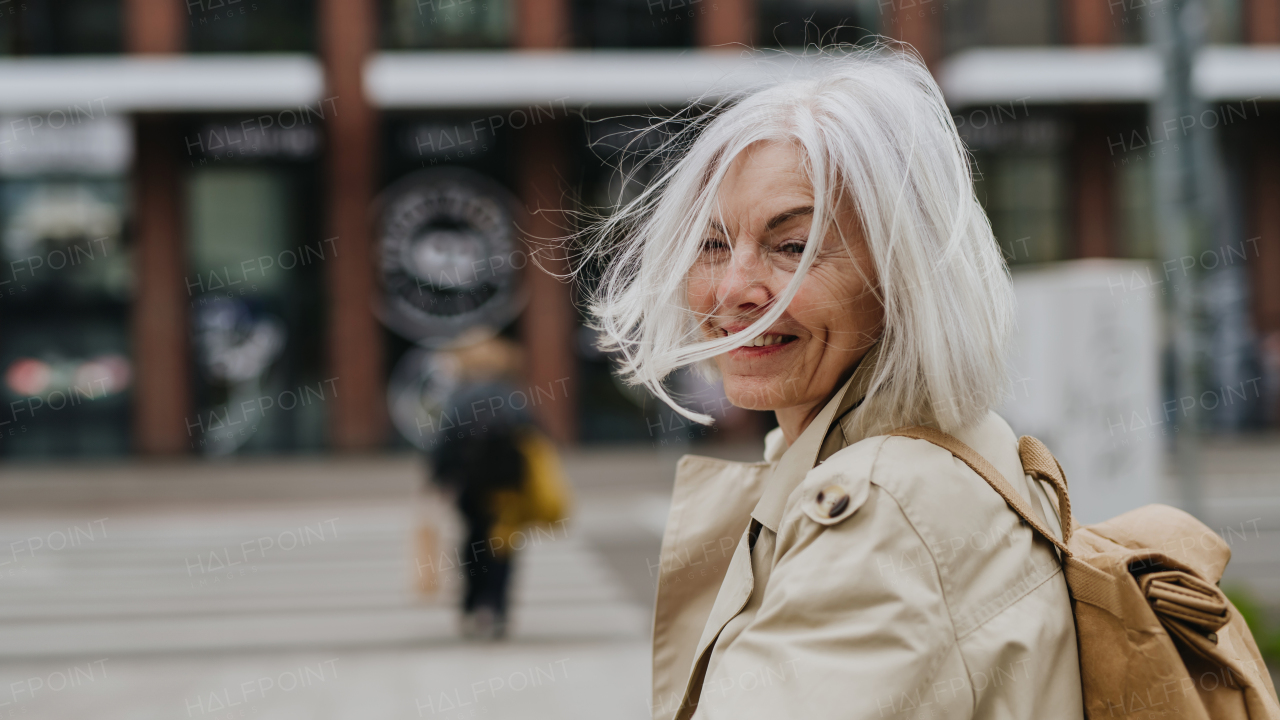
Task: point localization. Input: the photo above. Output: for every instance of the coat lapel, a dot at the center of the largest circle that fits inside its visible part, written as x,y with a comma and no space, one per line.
739,581
710,508
823,437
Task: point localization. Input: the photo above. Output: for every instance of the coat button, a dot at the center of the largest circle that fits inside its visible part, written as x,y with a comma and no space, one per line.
833,499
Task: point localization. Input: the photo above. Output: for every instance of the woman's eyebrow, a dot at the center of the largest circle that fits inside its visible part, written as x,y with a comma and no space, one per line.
774,222
786,215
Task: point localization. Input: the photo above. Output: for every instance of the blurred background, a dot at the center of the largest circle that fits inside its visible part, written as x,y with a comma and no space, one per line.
247,243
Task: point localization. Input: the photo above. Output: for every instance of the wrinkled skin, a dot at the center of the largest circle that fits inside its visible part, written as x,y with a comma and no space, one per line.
747,259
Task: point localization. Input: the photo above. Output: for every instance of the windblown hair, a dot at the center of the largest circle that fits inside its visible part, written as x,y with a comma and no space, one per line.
875,134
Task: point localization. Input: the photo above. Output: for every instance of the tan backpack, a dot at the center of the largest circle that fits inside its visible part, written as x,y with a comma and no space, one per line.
1157,638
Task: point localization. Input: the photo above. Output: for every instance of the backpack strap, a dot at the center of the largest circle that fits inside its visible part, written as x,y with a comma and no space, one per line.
987,472
1038,462
1086,583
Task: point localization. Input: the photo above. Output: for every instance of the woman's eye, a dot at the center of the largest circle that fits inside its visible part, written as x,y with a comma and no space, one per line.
714,245
792,247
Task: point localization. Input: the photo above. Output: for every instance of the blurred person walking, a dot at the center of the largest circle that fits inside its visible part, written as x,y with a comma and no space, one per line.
505,476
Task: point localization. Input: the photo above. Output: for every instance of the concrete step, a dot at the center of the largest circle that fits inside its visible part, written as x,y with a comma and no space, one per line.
156,582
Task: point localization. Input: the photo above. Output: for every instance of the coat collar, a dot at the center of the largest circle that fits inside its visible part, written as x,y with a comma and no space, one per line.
824,436
774,445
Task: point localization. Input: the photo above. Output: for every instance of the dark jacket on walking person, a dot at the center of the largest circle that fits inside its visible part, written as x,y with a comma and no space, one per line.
505,477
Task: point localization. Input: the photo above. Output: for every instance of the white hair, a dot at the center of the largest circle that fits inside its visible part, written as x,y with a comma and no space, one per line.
871,127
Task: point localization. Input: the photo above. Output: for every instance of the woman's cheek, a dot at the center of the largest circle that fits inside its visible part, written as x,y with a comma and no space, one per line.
700,295
823,299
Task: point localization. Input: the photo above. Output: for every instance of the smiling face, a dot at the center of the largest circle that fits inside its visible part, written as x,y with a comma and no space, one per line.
747,259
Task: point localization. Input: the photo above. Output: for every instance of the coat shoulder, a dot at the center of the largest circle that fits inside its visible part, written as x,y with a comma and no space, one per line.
923,539
921,476
983,554
837,487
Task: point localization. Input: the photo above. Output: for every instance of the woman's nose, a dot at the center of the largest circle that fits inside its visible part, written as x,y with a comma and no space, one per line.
745,282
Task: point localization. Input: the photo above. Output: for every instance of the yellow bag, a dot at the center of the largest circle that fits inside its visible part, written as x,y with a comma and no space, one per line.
545,489
543,499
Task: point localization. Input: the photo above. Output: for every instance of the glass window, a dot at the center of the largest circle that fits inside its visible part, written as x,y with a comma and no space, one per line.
1137,223
478,139
61,27
256,262
1132,20
796,23
1131,152
969,23
1025,204
250,25
64,287
444,24
65,284
1225,21
637,23
1019,176
1021,22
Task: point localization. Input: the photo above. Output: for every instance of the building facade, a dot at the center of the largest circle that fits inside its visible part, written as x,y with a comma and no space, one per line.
190,189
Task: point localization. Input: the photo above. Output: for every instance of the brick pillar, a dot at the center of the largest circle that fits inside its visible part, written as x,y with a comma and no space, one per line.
549,322
161,349
1262,27
1093,179
357,415
542,24
727,23
154,26
1262,22
918,25
1264,260
1088,22
1093,190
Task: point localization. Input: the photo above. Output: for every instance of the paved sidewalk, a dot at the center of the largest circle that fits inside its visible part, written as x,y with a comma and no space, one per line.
297,575
585,681
289,589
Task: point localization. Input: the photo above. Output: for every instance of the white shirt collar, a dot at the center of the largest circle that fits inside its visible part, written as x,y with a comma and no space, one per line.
774,445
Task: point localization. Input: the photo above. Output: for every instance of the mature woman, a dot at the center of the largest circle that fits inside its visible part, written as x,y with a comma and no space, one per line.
818,247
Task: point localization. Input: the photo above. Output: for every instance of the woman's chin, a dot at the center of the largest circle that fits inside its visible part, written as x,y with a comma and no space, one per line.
757,393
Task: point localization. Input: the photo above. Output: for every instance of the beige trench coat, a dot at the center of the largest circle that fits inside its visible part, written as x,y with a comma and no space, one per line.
890,581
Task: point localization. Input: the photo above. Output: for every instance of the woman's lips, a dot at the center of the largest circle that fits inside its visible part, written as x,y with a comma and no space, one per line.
766,344
757,352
